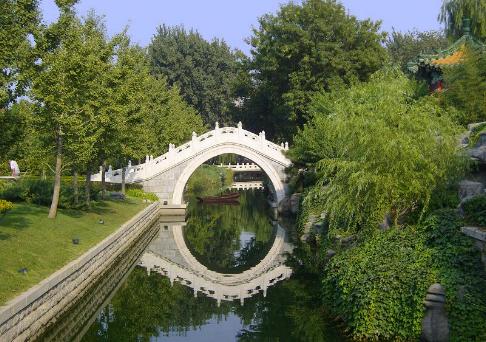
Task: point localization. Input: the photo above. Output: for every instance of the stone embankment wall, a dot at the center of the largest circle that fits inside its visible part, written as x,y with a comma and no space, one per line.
31,314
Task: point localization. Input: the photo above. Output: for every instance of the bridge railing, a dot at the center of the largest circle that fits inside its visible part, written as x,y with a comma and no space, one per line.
152,166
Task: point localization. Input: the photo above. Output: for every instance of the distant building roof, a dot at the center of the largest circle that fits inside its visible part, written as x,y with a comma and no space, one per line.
450,56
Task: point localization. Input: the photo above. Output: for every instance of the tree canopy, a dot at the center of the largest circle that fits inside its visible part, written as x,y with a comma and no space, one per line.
204,71
306,48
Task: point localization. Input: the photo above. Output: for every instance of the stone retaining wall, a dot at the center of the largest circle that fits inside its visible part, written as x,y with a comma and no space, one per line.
29,315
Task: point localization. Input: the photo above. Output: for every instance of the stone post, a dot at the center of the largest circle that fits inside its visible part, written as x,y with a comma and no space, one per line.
435,326
286,146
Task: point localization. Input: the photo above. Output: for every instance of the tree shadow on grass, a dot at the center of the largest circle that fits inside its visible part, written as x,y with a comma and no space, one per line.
17,218
98,207
4,236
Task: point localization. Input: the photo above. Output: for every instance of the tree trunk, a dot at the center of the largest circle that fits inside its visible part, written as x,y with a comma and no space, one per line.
87,188
123,180
103,182
75,187
57,178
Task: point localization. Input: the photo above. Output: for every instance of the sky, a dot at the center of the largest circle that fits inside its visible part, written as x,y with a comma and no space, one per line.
233,20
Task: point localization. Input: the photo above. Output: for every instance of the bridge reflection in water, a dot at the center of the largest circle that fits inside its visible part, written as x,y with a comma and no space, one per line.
169,255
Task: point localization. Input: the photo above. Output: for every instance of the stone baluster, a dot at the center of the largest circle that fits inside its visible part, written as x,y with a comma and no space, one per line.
240,128
286,146
147,158
151,157
194,140
110,170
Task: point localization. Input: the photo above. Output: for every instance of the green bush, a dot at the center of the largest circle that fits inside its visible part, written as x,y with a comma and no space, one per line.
378,287
138,193
5,206
475,211
38,191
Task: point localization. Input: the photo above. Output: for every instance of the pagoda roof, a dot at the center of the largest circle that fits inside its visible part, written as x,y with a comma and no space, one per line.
454,54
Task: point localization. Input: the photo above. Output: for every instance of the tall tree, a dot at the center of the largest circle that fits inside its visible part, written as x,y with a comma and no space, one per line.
203,71
404,47
306,48
453,12
69,87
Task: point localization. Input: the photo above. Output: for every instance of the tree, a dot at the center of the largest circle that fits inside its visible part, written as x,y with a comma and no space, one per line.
377,151
405,47
203,71
305,49
453,12
466,87
70,89
19,23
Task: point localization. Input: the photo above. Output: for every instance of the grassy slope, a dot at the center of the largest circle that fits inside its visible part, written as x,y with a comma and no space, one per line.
29,239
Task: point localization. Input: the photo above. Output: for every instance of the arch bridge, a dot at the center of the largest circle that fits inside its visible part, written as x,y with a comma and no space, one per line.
167,175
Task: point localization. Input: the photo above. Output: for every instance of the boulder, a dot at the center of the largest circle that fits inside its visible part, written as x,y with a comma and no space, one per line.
117,195
294,203
284,206
469,189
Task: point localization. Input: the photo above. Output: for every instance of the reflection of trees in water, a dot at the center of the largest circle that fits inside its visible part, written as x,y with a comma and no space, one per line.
147,306
213,233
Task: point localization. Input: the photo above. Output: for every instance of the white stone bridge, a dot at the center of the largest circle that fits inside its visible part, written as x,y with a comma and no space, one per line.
167,175
169,255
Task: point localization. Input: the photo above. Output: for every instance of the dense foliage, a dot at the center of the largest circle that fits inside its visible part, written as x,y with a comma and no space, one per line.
475,211
377,151
205,72
466,87
378,286
306,48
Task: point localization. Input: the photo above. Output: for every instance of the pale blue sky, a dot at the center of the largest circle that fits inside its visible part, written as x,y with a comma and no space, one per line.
232,19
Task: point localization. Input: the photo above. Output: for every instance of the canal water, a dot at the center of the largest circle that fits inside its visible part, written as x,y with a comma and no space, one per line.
229,239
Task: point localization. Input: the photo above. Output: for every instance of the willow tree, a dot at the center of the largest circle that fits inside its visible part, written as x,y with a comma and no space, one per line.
453,12
377,150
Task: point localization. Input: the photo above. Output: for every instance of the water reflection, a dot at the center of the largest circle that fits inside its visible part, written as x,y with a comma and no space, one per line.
170,295
228,238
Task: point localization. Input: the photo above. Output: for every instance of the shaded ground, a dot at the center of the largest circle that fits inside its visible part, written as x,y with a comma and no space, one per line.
28,239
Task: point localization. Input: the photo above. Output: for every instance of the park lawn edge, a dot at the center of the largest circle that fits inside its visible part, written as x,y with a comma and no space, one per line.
44,257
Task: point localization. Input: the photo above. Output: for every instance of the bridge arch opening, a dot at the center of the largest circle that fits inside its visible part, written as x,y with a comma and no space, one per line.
268,169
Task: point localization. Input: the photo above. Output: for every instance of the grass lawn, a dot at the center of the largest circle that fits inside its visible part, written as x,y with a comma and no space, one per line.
29,239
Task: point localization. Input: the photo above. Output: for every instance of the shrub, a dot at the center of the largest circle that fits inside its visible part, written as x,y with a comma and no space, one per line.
475,211
378,287
138,193
5,206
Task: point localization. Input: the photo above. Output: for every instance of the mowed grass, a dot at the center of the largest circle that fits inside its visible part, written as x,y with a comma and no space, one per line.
28,239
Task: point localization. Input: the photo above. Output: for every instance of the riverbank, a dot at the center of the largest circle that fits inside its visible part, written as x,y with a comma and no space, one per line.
32,246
